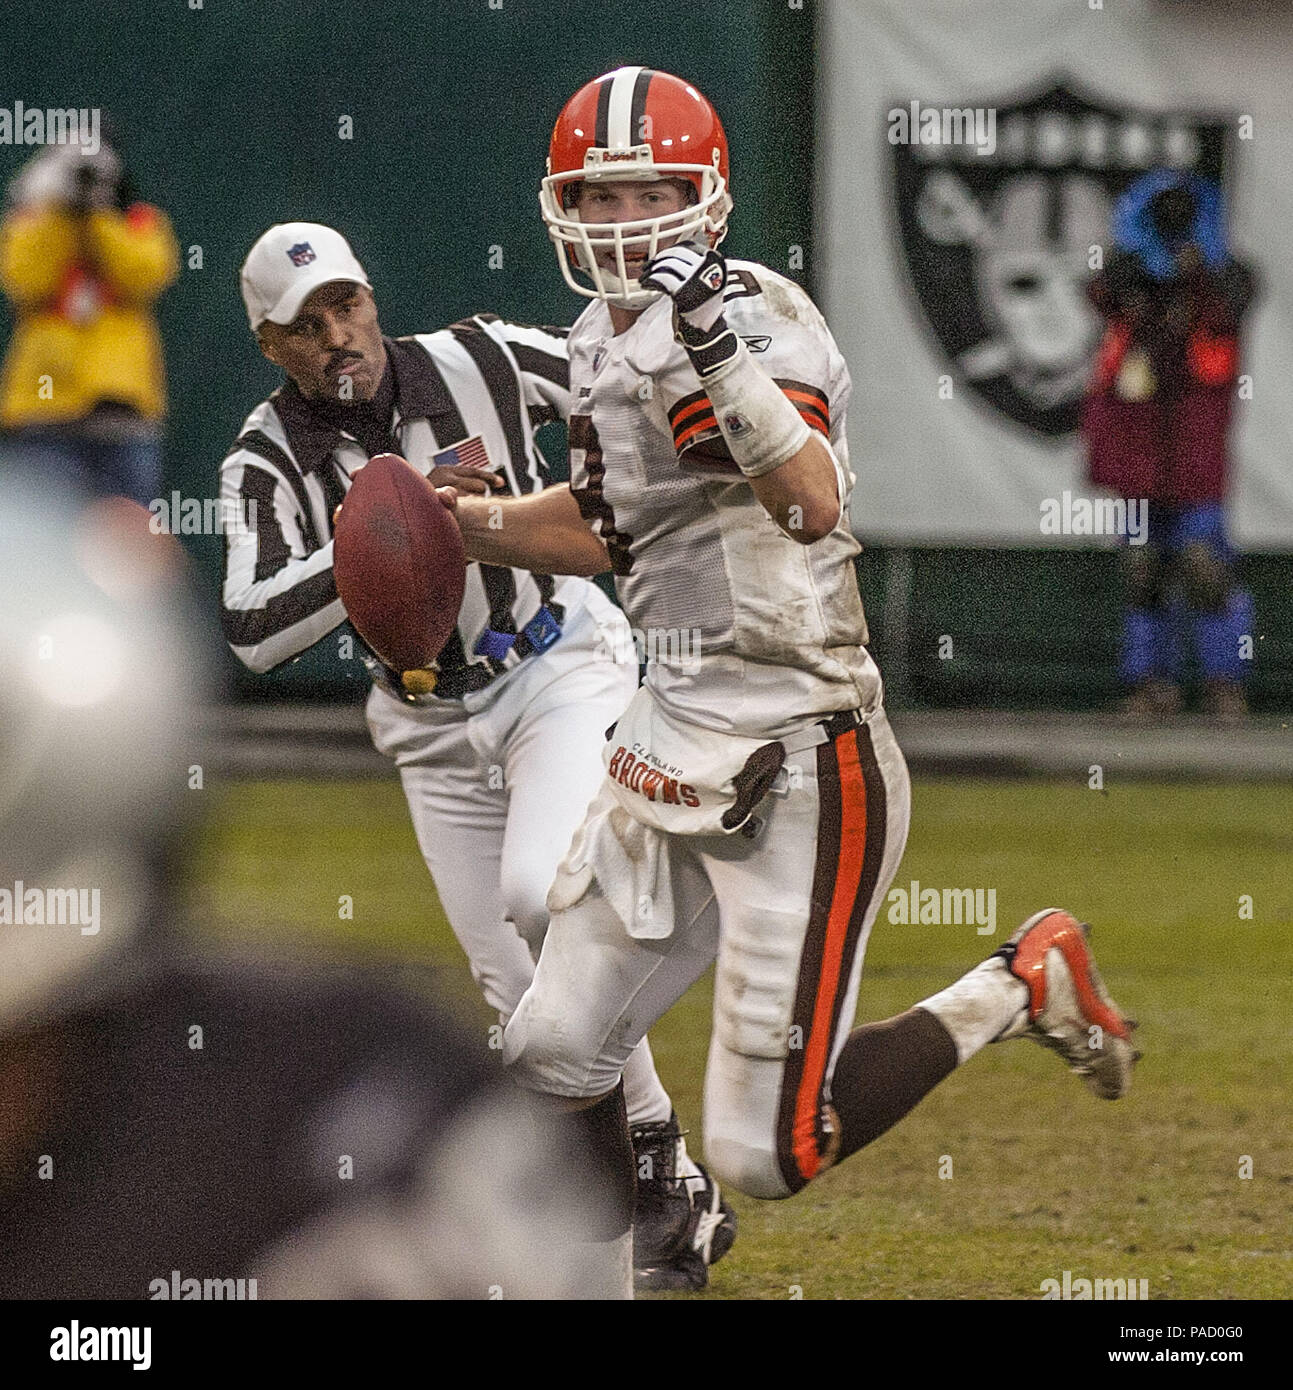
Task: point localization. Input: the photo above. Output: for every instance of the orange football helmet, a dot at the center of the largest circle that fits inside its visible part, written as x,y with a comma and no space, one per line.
633,124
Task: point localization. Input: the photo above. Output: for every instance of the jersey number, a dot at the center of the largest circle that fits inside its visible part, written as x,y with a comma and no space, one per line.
593,505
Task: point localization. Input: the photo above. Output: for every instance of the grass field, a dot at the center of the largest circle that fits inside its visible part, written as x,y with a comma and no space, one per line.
1044,1176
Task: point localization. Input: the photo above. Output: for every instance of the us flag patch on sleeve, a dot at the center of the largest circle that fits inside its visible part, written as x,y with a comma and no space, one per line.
467,453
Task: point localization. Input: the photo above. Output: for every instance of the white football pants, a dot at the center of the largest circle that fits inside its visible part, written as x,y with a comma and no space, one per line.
496,786
786,914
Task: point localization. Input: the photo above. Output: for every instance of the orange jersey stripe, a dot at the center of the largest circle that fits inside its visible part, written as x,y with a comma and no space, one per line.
809,397
700,414
677,417
813,399
848,878
814,421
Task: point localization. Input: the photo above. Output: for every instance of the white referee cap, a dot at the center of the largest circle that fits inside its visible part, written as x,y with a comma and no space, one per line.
288,263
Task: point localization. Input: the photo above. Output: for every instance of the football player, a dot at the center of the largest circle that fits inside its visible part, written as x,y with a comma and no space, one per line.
756,803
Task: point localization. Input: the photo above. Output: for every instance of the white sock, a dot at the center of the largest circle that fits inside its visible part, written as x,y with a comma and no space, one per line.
645,1099
979,1006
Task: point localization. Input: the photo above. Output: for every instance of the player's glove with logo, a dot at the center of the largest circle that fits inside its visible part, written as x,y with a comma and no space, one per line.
694,276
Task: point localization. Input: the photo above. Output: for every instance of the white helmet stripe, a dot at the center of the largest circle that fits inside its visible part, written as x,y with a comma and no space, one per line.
619,121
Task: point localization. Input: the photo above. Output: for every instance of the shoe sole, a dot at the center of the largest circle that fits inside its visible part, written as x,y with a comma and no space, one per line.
687,1274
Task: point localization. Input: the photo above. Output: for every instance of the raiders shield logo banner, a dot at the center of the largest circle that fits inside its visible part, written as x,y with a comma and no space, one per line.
967,159
1000,209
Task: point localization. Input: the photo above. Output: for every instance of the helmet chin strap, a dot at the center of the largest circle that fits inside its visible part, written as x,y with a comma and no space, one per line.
627,294
624,294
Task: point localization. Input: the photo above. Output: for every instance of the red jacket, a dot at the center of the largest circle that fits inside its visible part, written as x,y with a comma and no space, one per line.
1156,419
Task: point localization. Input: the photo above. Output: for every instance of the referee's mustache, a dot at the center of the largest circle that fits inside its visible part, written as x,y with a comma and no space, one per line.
342,358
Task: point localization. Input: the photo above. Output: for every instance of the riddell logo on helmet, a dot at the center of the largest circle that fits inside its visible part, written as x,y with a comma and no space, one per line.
635,154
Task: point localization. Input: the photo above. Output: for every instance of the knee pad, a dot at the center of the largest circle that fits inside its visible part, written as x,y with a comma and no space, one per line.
754,986
1142,567
1204,577
743,1142
561,1050
554,1055
752,1169
755,1036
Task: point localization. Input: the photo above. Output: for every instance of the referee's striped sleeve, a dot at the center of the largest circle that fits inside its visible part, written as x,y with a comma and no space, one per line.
278,598
544,363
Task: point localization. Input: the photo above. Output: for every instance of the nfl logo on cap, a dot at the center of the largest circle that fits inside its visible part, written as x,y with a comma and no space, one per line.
288,263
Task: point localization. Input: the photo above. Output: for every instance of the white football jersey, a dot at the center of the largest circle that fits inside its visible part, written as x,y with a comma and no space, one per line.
743,629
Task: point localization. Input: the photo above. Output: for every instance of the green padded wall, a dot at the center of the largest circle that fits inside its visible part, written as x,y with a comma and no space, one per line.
231,119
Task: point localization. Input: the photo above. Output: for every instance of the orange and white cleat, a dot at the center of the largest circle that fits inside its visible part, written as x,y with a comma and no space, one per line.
1069,1010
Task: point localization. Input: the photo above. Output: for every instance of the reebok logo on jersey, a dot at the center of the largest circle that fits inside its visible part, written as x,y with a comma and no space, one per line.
757,342
639,776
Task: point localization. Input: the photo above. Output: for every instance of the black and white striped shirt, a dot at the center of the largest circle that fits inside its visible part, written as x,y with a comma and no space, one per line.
481,377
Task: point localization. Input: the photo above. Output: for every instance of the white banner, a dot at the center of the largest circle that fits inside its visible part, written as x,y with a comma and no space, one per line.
952,272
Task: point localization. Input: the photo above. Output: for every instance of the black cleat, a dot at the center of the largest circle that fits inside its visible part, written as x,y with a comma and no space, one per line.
681,1225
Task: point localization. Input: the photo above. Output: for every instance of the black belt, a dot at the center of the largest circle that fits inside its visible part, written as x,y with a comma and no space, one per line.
451,683
455,682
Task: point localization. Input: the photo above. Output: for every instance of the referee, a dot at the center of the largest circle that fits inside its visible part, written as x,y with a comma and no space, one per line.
499,744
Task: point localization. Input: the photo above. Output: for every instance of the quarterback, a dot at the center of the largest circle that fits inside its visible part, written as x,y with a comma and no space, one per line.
756,804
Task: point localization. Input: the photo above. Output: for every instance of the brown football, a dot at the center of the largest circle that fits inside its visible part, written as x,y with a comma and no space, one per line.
399,563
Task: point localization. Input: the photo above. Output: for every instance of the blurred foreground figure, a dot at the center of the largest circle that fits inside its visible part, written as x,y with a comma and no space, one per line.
180,1127
82,261
1157,425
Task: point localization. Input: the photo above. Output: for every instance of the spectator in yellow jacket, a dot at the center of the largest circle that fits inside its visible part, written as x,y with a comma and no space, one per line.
82,389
